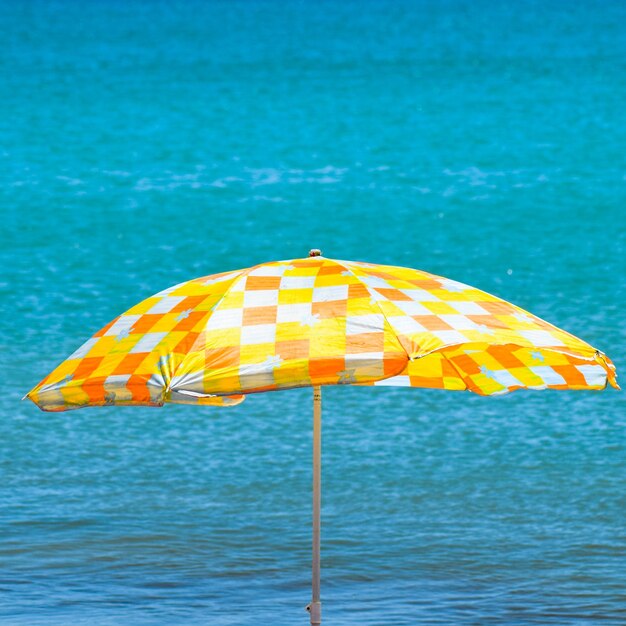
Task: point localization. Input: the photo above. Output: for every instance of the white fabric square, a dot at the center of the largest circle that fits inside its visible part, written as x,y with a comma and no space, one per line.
148,342
239,284
420,295
116,380
225,318
595,376
394,381
297,282
260,297
547,375
412,308
449,337
541,338
453,286
165,305
123,324
269,270
468,308
84,349
358,324
258,333
506,379
374,282
293,312
329,294
458,322
267,366
405,325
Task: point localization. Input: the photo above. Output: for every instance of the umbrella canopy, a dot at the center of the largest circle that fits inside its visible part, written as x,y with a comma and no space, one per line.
317,321
314,322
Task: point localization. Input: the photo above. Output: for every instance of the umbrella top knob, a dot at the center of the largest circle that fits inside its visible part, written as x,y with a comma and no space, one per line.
315,252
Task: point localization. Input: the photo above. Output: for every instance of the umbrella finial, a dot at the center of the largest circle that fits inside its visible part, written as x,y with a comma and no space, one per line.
315,252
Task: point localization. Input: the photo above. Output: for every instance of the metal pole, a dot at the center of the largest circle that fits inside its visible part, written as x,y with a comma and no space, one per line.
315,608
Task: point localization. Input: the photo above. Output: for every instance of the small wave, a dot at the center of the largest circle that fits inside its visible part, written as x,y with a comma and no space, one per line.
223,182
71,181
330,169
264,176
116,173
274,199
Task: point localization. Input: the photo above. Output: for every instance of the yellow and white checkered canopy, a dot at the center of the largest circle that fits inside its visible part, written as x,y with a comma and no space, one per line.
317,321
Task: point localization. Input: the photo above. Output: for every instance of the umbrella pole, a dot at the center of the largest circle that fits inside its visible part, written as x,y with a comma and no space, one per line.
315,608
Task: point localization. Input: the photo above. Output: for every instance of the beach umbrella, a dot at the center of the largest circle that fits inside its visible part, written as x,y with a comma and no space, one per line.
315,322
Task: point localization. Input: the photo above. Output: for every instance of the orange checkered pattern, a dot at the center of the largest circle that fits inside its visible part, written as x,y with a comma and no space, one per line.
317,321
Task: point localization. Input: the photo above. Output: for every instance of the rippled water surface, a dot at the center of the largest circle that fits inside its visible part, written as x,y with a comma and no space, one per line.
145,143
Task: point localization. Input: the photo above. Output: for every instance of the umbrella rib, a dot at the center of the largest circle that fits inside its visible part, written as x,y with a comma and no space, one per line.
377,304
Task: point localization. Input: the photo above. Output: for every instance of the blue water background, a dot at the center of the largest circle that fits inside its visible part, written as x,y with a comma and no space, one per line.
146,143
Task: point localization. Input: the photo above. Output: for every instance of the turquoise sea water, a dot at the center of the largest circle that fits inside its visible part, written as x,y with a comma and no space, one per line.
145,143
